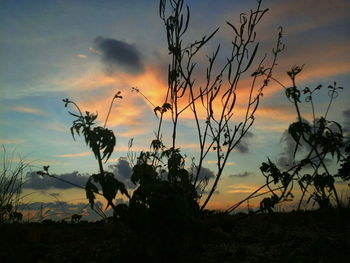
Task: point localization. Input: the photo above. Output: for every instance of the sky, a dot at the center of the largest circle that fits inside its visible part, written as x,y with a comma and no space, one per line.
88,50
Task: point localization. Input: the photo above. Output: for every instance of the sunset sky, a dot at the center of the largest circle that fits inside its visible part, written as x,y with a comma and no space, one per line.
51,50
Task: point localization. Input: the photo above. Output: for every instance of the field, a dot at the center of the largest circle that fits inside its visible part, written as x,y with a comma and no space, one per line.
311,236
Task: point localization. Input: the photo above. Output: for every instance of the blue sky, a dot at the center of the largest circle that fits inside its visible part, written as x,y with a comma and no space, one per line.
48,52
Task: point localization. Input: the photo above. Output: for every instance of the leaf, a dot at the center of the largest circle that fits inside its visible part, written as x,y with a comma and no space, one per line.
157,109
90,189
166,106
122,188
233,27
252,57
298,129
118,96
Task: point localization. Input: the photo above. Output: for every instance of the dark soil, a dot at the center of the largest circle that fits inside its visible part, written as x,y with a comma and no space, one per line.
318,236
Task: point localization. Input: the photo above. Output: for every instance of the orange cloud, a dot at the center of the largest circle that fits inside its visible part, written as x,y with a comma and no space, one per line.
89,81
279,112
135,131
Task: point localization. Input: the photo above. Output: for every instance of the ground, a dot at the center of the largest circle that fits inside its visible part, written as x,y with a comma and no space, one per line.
312,236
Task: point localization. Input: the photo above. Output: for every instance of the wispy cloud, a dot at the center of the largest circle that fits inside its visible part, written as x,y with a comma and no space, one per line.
241,189
29,110
11,141
215,162
82,56
73,155
241,175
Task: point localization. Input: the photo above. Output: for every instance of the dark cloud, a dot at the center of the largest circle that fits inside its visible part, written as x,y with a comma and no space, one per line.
61,210
54,205
241,175
346,123
243,146
122,171
204,173
119,55
36,181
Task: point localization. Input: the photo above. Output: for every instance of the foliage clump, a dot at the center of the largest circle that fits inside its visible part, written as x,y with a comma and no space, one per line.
318,144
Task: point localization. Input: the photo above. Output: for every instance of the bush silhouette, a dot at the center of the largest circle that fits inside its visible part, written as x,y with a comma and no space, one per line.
320,139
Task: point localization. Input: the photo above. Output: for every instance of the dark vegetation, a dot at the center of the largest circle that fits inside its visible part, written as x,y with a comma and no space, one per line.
304,236
165,219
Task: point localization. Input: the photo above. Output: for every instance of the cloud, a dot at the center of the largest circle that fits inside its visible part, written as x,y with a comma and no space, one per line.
29,110
280,112
215,162
82,56
243,146
241,175
73,155
204,173
287,156
216,192
346,123
59,210
35,181
118,55
11,141
122,170
239,189
53,205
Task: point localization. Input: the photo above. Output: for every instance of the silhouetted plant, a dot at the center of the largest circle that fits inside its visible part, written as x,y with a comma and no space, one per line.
174,198
11,181
218,130
322,140
101,141
75,218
